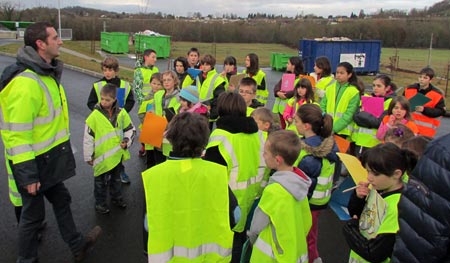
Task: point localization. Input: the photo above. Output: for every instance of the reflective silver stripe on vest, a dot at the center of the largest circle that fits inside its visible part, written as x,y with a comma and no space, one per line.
324,180
425,124
190,253
10,177
354,260
262,161
146,88
37,146
330,83
18,127
100,86
234,172
338,114
264,247
282,103
319,195
366,131
14,194
261,97
211,87
303,258
127,88
107,154
106,137
264,183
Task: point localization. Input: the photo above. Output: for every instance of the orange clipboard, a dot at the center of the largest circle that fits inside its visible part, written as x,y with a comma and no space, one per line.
153,129
342,143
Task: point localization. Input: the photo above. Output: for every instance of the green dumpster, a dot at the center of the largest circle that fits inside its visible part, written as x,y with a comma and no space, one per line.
13,25
114,42
161,44
278,61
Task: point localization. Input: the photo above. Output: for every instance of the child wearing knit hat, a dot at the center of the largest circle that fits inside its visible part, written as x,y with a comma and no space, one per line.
190,102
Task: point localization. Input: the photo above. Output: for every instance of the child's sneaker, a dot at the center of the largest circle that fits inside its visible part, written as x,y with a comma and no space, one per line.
124,178
119,203
102,209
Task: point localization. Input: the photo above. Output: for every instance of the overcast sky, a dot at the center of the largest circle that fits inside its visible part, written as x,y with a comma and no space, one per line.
239,7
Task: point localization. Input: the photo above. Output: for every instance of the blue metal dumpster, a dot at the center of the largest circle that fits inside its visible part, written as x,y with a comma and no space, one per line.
364,55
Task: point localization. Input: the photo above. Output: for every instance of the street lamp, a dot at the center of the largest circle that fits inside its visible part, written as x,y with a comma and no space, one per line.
59,18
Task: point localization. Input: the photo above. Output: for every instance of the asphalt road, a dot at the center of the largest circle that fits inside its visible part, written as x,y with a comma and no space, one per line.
122,229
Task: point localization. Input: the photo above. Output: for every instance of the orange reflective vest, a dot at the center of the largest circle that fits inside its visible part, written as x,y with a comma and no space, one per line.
427,125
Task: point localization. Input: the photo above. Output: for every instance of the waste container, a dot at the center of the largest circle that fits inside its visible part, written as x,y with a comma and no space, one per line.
13,25
159,43
364,55
278,61
114,42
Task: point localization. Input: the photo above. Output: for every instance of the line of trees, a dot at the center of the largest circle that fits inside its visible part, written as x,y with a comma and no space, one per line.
403,33
393,33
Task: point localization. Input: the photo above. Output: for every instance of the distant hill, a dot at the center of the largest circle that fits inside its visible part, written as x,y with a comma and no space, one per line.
440,9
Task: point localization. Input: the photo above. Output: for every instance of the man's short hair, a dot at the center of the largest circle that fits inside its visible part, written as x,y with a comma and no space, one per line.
34,32
286,144
428,72
247,81
147,52
110,62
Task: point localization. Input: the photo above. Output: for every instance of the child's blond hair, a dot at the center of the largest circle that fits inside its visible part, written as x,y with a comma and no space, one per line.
265,115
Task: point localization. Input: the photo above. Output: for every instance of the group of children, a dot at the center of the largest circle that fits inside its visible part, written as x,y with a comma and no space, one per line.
280,179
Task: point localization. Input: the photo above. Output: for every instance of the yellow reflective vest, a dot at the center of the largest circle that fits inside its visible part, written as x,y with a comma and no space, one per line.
188,212
280,104
14,195
187,81
146,76
209,84
43,122
284,239
338,108
159,103
261,95
107,151
243,154
388,226
321,86
123,85
322,193
367,137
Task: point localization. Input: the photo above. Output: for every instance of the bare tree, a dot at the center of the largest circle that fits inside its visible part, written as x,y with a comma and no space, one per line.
8,10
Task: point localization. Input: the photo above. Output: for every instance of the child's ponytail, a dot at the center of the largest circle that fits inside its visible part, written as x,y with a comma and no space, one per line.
321,123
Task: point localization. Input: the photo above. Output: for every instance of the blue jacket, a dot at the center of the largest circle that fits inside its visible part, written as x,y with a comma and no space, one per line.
311,164
424,208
